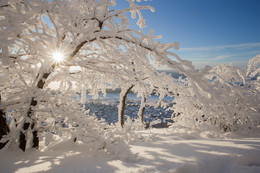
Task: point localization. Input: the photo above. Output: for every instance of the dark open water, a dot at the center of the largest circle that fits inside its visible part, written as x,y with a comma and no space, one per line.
107,108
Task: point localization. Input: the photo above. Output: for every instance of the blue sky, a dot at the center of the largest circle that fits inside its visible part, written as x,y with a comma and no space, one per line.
210,32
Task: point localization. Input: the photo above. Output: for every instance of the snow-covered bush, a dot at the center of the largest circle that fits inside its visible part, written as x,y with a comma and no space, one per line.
229,98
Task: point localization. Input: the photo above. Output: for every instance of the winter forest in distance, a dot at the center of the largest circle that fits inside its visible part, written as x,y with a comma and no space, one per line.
81,91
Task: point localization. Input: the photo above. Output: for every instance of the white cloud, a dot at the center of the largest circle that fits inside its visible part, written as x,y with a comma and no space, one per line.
237,54
234,46
221,57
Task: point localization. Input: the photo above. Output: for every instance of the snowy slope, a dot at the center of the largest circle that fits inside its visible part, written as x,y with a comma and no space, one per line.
165,151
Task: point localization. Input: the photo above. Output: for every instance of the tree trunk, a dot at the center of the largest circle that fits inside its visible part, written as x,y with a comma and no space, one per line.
30,122
142,109
122,104
4,128
26,126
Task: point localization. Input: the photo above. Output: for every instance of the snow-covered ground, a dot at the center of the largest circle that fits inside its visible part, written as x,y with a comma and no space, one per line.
164,151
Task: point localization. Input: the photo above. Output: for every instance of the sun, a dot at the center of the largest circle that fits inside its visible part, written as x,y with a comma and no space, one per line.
58,56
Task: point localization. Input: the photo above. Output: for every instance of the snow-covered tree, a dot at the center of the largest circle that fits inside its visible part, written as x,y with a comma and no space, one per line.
77,45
